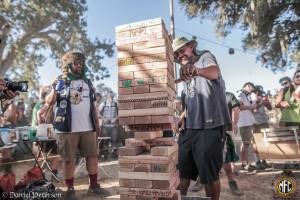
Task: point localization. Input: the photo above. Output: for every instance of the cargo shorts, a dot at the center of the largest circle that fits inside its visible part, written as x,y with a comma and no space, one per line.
68,144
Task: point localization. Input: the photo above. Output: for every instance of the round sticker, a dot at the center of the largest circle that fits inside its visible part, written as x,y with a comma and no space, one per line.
63,104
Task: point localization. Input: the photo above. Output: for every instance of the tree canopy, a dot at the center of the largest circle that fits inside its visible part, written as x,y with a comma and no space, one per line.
31,28
271,26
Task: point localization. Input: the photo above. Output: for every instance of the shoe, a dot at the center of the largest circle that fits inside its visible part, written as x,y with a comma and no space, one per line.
97,190
259,165
265,164
234,188
248,167
70,195
197,187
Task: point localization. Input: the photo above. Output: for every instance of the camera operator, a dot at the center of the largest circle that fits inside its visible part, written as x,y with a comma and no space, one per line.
6,95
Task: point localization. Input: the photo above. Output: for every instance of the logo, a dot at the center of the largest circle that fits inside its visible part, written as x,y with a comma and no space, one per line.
285,185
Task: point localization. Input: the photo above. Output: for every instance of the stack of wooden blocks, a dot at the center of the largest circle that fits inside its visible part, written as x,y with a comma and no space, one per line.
146,96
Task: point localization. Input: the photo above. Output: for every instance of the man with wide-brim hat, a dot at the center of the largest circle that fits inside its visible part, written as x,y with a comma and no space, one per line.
206,114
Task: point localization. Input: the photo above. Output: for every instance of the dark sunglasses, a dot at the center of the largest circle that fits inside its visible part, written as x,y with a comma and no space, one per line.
284,83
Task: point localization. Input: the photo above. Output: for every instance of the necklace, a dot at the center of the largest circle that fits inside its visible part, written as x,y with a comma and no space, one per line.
76,92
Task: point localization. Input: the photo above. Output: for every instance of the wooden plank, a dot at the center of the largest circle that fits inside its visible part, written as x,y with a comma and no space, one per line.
127,47
142,105
177,196
168,184
168,141
126,106
142,120
141,89
125,75
147,184
159,87
123,34
145,159
139,38
144,66
123,91
162,168
129,183
150,127
126,167
148,135
126,120
142,167
162,119
130,151
160,104
143,97
146,175
139,24
148,192
150,73
164,150
148,44
148,111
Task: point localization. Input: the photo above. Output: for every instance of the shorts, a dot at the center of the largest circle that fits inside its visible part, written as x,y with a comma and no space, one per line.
257,127
201,154
69,143
246,134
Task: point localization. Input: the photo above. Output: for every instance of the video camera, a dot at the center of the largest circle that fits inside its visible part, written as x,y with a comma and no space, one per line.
21,86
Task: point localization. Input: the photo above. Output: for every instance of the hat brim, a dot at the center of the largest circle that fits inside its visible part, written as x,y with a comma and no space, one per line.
179,47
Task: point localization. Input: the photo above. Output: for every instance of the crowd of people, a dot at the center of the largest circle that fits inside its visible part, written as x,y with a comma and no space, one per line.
209,119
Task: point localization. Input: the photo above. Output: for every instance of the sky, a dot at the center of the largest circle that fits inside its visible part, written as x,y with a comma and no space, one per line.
104,15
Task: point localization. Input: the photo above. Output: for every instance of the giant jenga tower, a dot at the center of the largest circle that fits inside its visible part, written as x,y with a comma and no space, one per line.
146,96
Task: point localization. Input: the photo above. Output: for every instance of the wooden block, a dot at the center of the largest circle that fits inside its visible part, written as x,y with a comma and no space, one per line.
146,198
162,119
147,192
163,150
138,31
146,175
130,151
125,75
162,168
141,52
125,83
160,104
148,44
127,47
158,57
158,87
147,184
143,97
122,91
126,120
164,185
145,159
142,105
126,61
142,112
139,38
141,89
150,127
126,167
142,167
124,34
142,120
139,24
177,196
147,135
129,183
126,106
150,73
168,141
144,66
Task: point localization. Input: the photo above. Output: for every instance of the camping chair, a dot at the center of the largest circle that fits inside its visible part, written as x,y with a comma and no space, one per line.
279,144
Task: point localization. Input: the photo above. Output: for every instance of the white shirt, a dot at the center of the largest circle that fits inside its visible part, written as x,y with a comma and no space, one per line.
246,116
81,120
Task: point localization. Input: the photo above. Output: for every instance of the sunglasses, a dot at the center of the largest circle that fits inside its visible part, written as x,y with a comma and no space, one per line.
284,83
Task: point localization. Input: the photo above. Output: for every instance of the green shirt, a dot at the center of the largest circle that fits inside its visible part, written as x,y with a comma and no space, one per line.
291,113
36,108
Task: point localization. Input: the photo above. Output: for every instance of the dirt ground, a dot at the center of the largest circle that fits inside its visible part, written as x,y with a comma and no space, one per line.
256,185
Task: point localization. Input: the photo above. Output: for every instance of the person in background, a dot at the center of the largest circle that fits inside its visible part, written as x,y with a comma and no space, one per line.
290,109
39,116
285,82
108,112
261,120
245,122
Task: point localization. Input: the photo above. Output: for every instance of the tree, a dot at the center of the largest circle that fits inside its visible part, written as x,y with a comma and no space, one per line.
272,26
103,89
29,29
